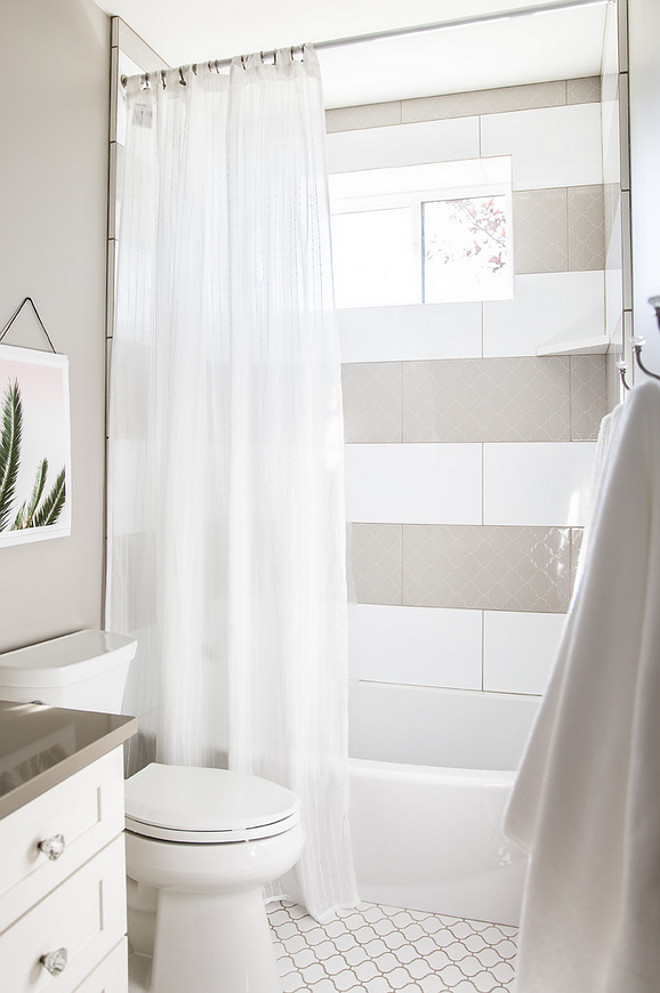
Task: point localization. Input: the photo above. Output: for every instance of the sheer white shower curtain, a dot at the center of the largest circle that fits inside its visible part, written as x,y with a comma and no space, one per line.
226,516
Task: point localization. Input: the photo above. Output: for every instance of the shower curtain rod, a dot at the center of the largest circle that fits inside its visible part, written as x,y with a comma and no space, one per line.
502,15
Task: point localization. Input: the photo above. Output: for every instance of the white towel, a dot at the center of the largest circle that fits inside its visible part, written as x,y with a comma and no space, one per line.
586,804
607,431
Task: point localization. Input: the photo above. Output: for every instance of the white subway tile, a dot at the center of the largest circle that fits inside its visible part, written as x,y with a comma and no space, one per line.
554,146
406,144
421,646
545,306
611,142
519,650
626,249
544,484
420,331
414,484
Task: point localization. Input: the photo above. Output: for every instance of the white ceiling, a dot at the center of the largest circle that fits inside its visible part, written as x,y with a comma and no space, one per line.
539,46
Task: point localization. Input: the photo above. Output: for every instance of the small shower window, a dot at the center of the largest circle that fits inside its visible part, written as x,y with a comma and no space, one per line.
431,233
465,249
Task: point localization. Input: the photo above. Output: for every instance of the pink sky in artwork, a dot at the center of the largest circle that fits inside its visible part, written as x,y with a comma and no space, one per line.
43,385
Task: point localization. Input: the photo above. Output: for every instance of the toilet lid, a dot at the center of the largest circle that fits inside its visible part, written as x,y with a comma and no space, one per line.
185,803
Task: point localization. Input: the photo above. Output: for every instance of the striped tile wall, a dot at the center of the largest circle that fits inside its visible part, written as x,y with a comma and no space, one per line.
468,456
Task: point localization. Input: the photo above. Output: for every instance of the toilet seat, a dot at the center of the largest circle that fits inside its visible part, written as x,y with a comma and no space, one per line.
206,806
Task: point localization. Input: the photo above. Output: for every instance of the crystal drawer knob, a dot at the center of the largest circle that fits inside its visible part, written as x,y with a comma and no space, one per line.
52,847
55,962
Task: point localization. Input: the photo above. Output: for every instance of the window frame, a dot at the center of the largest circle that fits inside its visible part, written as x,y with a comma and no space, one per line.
414,201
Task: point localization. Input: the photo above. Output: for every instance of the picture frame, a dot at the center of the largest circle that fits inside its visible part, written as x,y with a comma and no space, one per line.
35,446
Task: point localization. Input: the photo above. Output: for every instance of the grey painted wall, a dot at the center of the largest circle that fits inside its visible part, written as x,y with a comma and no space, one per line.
54,65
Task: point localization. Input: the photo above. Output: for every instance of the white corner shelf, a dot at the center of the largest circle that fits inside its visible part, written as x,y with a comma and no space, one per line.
563,345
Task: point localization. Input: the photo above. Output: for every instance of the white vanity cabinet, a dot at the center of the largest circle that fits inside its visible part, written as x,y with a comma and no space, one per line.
62,886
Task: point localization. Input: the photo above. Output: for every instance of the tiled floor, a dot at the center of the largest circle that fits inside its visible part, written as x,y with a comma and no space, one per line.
376,949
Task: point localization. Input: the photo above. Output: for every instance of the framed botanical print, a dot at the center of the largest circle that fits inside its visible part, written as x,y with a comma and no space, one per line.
35,446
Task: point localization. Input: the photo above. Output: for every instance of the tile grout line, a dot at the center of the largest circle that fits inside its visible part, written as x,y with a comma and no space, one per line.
483,650
483,483
401,567
570,398
568,231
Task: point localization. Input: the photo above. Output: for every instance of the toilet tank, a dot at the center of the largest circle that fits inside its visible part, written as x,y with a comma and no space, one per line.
86,670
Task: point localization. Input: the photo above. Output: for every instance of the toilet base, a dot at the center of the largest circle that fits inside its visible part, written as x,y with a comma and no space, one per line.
199,909
209,942
237,930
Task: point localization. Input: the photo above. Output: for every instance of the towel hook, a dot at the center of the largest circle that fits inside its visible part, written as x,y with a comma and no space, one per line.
638,343
623,369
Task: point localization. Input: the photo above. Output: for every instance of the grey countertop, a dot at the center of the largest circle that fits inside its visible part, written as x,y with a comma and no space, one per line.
40,746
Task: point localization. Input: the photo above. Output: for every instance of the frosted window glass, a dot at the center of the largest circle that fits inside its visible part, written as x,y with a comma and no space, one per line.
465,250
374,260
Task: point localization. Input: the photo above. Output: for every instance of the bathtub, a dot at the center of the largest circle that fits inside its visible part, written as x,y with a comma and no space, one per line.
430,774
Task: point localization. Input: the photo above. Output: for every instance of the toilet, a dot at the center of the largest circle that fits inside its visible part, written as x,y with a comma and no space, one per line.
201,844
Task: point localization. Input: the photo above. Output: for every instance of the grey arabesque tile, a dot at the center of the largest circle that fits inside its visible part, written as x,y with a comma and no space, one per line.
371,115
540,236
584,90
486,568
613,378
588,396
494,399
612,225
376,563
586,223
372,401
576,544
494,101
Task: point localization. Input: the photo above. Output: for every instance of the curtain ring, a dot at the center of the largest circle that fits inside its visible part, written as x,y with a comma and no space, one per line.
182,81
145,82
163,78
243,62
194,68
274,56
262,57
217,66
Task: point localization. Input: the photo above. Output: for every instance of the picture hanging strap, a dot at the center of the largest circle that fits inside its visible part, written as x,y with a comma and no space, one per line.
37,315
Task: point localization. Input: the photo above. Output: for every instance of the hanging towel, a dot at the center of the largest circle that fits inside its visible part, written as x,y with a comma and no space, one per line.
607,431
586,804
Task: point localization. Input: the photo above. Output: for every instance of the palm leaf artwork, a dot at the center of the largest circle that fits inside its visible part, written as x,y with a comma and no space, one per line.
10,449
38,511
53,505
26,513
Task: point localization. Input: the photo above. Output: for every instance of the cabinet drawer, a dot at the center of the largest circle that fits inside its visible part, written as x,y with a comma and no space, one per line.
86,915
87,809
110,975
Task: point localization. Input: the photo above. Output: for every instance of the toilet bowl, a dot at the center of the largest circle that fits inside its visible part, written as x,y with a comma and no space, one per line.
206,841
201,844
